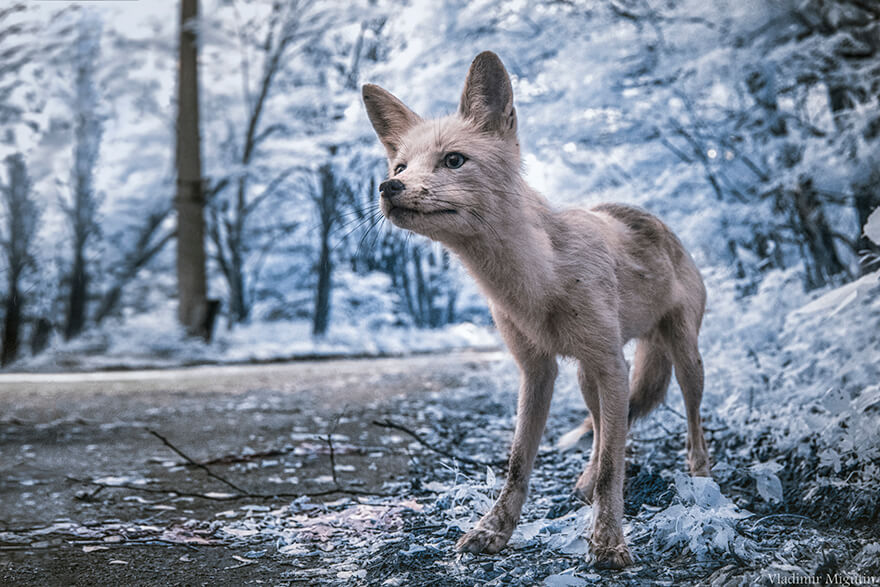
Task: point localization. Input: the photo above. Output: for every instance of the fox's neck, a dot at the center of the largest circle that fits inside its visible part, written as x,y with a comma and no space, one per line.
512,259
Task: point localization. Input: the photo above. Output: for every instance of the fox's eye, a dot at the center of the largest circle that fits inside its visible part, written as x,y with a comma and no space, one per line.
399,168
454,160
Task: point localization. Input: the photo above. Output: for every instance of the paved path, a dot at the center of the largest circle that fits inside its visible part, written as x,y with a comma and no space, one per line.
58,430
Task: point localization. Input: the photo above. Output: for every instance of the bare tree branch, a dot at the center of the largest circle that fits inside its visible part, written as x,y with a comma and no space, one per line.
386,423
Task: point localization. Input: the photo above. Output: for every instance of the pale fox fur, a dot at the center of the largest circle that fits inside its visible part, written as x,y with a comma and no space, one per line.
577,283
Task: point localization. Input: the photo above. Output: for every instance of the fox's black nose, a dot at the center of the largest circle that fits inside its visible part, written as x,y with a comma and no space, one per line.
391,188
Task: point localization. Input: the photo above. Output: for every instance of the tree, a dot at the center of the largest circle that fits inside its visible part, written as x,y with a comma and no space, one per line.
82,211
146,246
21,212
22,218
754,125
275,34
329,196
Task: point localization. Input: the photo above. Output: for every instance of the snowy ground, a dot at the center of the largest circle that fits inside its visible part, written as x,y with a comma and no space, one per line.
791,409
155,340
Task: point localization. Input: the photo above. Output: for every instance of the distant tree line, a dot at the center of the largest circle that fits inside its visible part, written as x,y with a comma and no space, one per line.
289,184
245,194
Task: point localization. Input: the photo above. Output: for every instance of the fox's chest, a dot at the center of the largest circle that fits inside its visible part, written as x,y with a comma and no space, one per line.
558,326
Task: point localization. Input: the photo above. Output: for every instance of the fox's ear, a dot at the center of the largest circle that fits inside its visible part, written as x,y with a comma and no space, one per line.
487,98
390,117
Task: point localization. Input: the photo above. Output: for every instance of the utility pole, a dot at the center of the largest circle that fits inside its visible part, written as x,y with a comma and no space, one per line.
192,310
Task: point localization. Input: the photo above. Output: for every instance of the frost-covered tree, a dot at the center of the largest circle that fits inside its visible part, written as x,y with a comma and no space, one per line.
82,208
137,83
328,195
298,66
744,124
267,38
14,55
22,216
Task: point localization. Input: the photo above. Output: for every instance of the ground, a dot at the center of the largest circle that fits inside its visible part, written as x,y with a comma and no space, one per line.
356,472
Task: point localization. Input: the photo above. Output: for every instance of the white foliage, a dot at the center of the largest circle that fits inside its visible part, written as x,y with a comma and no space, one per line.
491,480
872,227
703,521
769,485
563,580
569,533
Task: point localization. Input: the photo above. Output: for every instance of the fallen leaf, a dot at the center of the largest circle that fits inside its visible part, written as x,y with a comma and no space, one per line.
412,504
179,535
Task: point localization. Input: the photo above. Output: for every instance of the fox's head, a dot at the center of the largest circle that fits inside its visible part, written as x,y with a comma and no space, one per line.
450,178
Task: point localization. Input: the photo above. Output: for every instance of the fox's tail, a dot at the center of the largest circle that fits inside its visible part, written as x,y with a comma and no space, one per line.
570,438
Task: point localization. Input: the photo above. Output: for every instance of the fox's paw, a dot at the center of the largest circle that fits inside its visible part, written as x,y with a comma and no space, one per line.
614,557
489,535
482,540
698,462
609,550
699,467
585,485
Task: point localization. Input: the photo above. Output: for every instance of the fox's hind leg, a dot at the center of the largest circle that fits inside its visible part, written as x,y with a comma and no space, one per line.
652,371
586,483
680,332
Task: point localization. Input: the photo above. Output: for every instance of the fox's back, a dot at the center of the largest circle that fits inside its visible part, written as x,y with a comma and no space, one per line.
653,272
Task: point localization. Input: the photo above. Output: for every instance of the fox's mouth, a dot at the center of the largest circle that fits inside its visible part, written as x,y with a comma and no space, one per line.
394,209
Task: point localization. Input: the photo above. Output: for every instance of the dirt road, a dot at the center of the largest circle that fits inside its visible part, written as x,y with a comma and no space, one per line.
264,427
280,475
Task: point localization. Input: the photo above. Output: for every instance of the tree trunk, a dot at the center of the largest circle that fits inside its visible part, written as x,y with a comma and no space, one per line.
866,191
322,296
40,334
239,308
76,300
327,204
422,301
11,327
191,282
21,216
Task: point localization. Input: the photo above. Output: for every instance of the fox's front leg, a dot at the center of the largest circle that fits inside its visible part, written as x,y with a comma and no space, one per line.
536,388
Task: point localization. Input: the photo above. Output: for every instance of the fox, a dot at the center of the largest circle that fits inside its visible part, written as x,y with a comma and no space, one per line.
577,283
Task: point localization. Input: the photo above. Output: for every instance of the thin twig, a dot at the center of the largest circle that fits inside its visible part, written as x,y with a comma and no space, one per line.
332,459
231,497
244,458
650,439
330,446
157,490
241,493
786,515
395,426
204,468
719,429
673,410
